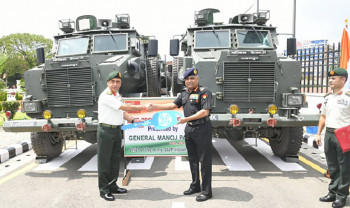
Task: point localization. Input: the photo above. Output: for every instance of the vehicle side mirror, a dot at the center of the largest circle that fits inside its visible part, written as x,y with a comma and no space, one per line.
153,48
174,47
170,68
291,46
40,55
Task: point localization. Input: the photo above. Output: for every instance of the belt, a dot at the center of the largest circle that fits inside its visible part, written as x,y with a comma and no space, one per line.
198,121
331,130
109,126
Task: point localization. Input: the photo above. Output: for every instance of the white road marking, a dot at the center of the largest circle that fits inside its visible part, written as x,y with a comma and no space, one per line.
233,160
181,165
266,151
64,157
91,165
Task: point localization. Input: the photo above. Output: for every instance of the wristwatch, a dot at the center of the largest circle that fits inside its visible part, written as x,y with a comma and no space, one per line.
133,120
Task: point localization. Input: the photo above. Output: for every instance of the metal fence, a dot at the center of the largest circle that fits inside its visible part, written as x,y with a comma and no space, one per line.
316,62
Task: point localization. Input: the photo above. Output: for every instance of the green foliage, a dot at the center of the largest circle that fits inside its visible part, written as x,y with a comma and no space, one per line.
18,96
20,52
3,96
3,58
11,106
22,85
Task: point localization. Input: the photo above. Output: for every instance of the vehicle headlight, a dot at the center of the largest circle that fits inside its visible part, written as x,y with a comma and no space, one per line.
47,114
233,109
29,107
272,109
295,100
81,113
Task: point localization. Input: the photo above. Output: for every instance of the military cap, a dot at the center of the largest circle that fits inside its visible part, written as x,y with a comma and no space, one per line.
190,72
338,72
114,74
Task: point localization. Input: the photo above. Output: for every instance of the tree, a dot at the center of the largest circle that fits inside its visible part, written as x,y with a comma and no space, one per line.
20,52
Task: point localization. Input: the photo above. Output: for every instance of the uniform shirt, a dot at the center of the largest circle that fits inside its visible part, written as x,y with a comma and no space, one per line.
108,108
192,102
336,107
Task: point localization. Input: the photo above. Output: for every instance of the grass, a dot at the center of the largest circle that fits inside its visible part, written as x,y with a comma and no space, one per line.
18,116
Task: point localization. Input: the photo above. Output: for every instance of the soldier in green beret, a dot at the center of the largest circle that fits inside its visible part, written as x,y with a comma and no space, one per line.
111,113
335,113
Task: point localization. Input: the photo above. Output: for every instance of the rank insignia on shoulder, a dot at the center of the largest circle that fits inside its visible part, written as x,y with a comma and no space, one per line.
204,96
109,93
347,93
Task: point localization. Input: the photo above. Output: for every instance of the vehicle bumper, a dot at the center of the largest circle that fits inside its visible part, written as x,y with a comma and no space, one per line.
260,120
58,124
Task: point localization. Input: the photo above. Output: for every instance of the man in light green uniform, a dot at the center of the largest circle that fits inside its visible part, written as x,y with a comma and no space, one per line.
335,113
111,113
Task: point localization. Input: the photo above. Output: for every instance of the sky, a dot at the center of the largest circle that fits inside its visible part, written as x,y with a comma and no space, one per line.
315,19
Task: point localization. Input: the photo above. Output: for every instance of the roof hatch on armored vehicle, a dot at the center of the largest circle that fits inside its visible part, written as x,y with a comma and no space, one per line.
204,16
86,22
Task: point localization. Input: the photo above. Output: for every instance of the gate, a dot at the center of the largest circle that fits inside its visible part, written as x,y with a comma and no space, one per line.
316,62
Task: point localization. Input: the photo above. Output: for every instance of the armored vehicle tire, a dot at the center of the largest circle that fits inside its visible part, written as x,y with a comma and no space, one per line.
47,144
153,78
234,134
89,136
176,88
287,141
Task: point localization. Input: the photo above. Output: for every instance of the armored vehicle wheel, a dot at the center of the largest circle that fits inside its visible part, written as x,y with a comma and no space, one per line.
153,78
234,134
47,144
89,136
176,88
287,141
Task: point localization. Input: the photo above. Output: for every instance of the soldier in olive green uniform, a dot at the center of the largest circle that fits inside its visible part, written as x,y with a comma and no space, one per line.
111,113
335,113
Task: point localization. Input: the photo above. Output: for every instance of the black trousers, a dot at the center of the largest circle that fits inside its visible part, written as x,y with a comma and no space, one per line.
108,154
199,146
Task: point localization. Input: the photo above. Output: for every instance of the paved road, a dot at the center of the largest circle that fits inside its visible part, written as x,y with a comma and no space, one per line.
243,176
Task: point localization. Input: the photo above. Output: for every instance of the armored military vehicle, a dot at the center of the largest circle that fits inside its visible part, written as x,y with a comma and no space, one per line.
256,91
61,94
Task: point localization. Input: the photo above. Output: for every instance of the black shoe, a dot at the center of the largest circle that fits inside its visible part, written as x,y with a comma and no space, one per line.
203,197
327,198
338,203
118,190
108,197
191,191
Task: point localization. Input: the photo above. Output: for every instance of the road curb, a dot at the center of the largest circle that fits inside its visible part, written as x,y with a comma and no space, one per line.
17,149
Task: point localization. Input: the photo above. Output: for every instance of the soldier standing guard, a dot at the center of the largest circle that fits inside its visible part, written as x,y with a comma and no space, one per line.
111,113
196,102
335,113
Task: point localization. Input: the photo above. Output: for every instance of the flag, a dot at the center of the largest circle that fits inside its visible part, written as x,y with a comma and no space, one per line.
345,50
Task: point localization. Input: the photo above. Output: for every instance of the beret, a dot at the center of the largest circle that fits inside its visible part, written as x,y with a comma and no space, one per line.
190,72
338,72
114,74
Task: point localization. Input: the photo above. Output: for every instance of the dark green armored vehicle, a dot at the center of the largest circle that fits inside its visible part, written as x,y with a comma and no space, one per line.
255,90
62,93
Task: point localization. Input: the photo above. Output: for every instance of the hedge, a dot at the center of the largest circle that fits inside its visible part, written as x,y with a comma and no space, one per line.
11,106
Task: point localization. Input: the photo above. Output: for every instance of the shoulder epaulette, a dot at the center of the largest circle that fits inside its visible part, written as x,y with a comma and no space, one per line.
347,93
327,94
202,88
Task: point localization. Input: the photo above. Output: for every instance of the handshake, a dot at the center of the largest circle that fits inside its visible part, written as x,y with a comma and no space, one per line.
149,107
